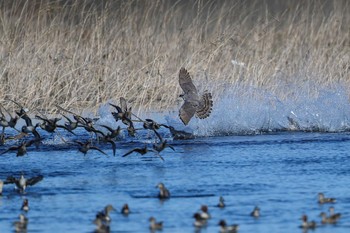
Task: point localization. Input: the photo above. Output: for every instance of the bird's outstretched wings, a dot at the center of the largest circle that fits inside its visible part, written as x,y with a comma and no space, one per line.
186,83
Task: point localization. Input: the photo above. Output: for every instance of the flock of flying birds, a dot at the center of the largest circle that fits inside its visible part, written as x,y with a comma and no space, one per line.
193,105
29,134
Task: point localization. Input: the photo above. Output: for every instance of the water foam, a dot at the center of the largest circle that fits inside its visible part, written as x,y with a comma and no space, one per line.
244,110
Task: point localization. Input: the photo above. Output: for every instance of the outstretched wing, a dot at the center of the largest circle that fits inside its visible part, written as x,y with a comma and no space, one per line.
98,149
34,180
186,83
186,112
123,104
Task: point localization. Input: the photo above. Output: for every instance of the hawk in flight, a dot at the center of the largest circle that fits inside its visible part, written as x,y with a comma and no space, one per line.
194,104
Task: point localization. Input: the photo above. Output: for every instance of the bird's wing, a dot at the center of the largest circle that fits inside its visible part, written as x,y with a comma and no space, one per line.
98,149
10,180
114,147
171,147
186,112
34,180
30,142
116,107
123,104
186,83
129,152
107,127
9,149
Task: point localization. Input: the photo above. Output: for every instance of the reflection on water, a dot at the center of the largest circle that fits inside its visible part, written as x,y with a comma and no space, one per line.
281,173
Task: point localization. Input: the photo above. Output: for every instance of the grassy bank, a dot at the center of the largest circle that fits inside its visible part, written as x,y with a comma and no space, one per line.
80,54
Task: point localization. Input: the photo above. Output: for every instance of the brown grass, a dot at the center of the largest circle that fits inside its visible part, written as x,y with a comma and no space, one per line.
80,54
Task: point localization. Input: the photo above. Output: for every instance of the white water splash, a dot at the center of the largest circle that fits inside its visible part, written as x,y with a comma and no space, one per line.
246,110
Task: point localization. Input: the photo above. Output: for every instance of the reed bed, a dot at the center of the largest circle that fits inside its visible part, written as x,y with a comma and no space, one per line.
81,54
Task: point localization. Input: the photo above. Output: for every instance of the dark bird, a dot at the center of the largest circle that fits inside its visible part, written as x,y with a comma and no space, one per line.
113,133
180,134
205,212
221,202
307,225
22,148
22,183
154,225
84,147
25,205
110,136
22,113
141,151
224,228
4,138
104,214
86,123
332,214
194,104
100,226
29,127
69,124
21,224
123,112
329,220
256,212
161,145
125,209
152,125
163,191
8,123
199,221
322,199
51,124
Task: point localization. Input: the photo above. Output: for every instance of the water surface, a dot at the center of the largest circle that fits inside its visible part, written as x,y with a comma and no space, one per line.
281,172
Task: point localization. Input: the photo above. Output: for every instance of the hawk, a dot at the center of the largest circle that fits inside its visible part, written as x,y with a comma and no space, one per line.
194,104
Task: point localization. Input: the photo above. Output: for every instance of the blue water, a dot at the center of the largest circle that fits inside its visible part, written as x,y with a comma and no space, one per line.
280,172
244,152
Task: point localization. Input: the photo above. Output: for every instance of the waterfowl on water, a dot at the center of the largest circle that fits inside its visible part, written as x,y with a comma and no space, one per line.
221,202
25,205
307,225
104,214
154,225
332,213
224,228
194,104
330,219
21,225
256,212
199,221
101,227
204,212
125,209
322,199
22,183
163,191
